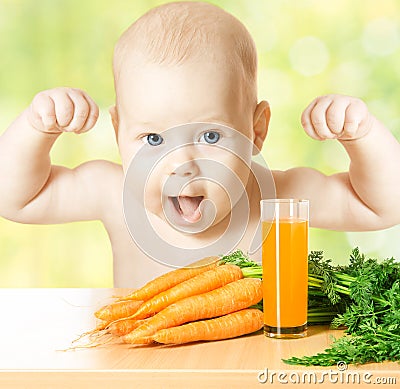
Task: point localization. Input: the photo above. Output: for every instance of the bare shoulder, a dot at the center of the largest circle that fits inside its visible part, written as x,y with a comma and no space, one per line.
297,182
323,192
101,182
105,177
292,183
100,175
106,180
102,170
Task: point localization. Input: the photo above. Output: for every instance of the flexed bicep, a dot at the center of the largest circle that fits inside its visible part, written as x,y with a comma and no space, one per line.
334,204
73,194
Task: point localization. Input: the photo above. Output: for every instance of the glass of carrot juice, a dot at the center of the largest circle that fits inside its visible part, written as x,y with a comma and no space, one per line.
285,267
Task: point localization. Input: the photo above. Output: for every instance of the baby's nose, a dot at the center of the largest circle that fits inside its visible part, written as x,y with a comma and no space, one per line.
185,169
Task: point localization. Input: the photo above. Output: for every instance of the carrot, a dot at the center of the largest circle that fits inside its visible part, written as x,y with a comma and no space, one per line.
232,297
123,327
172,278
223,327
118,310
101,325
99,329
204,282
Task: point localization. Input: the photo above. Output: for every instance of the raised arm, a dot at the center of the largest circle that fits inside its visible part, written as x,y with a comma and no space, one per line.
367,197
31,189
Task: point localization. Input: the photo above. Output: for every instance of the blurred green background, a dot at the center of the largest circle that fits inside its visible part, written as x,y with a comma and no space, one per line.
306,48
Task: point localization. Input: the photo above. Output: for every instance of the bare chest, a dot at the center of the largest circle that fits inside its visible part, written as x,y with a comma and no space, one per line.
133,267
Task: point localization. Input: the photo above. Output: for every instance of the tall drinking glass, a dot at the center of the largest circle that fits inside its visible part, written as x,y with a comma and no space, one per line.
285,267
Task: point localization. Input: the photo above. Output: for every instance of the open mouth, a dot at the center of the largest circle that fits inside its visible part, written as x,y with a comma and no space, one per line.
188,207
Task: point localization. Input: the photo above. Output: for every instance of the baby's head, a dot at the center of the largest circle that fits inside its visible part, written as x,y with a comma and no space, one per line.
188,62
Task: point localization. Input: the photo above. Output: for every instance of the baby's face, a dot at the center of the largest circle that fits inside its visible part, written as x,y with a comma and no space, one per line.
193,169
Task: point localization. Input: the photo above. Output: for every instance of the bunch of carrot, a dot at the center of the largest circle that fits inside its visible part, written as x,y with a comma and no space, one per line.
207,302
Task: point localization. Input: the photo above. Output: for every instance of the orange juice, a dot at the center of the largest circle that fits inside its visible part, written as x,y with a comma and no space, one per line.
285,275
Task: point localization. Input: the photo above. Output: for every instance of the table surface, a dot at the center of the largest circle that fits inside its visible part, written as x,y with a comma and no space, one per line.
38,324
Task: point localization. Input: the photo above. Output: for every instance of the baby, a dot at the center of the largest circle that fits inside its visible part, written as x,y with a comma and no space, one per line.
190,63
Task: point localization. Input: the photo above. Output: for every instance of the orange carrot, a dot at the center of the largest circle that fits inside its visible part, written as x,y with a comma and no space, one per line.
232,297
172,278
204,282
231,325
118,310
99,329
106,332
101,325
123,327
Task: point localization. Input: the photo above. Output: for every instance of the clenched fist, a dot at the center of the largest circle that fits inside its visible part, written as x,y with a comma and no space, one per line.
336,117
63,110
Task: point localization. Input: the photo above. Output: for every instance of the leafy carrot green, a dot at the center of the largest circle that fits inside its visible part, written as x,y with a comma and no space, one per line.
363,297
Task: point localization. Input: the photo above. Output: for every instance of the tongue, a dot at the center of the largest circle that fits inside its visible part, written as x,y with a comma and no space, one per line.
190,207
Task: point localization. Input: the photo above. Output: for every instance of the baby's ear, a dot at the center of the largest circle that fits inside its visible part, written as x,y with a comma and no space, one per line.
114,118
262,114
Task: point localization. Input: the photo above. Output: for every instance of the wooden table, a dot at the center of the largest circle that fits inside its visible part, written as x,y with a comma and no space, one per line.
37,323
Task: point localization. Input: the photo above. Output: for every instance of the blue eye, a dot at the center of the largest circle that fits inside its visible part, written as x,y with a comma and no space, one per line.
211,137
154,139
